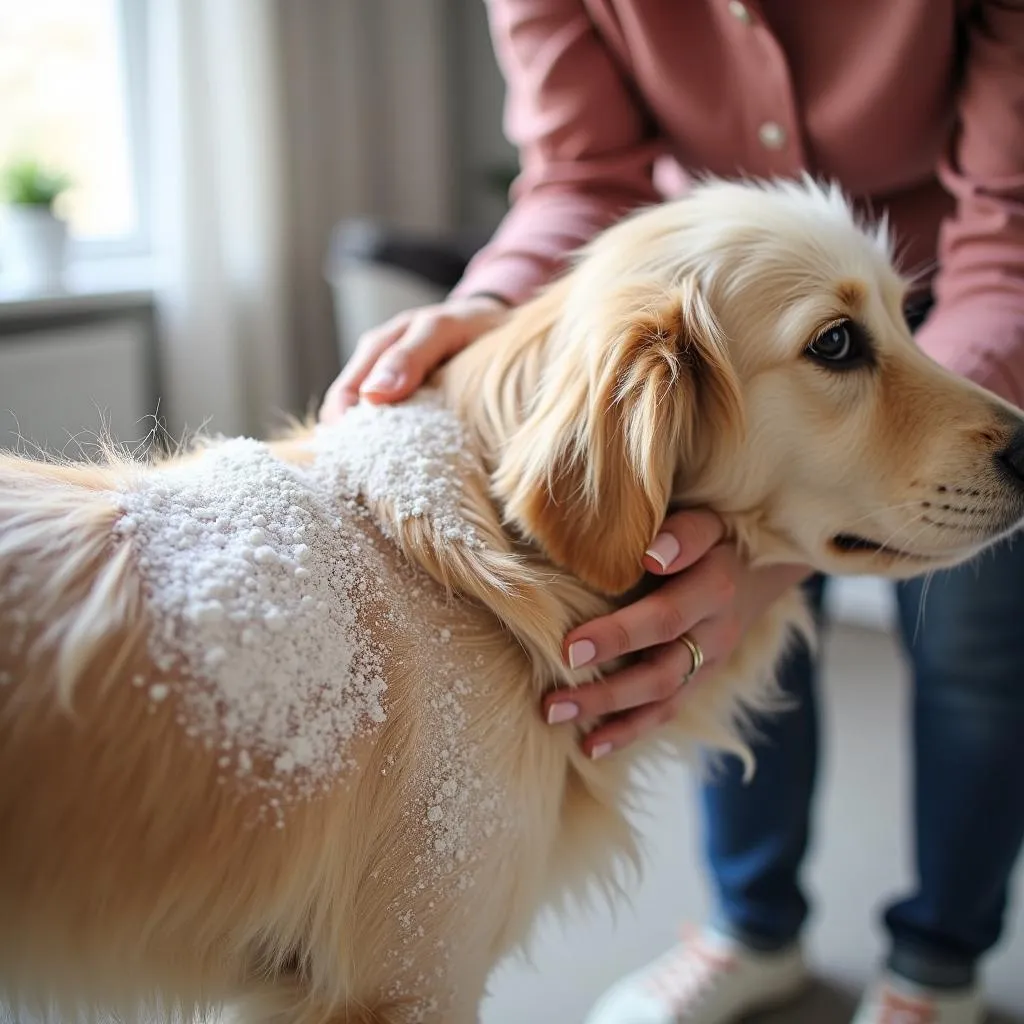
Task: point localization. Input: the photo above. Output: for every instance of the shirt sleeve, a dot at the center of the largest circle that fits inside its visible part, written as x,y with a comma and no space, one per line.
977,324
586,147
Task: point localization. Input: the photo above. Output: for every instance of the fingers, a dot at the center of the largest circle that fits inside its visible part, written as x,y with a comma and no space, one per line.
700,603
684,538
344,392
397,373
335,402
629,728
427,342
704,591
392,361
655,678
638,699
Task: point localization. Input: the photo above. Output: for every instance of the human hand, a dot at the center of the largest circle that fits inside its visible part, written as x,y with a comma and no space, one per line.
392,361
711,596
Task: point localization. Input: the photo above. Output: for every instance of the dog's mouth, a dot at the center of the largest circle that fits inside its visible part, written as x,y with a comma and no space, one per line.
853,544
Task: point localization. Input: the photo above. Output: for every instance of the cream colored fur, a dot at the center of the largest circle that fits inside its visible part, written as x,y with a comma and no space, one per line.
667,368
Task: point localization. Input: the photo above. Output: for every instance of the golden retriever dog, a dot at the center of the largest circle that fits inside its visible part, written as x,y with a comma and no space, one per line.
269,713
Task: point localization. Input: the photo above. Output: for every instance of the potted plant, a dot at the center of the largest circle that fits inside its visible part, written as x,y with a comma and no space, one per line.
35,237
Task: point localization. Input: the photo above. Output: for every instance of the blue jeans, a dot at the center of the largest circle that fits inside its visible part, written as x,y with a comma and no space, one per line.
967,657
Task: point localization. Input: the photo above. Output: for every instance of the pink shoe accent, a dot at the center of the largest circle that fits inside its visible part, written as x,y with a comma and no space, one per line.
692,970
897,1009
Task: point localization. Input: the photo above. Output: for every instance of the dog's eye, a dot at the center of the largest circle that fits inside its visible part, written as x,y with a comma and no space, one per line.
843,344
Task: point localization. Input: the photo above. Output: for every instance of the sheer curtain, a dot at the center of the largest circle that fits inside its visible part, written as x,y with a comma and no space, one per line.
367,101
272,120
219,213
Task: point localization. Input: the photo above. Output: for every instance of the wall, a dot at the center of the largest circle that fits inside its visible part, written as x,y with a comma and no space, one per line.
366,98
477,95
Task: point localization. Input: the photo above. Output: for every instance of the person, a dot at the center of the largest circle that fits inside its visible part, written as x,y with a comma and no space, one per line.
917,109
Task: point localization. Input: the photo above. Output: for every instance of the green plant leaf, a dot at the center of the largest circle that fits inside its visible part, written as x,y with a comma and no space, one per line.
28,183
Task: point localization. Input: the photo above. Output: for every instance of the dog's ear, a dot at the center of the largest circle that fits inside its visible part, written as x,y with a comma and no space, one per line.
589,475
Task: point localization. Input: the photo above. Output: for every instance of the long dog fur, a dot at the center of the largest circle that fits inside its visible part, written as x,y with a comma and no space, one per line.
666,368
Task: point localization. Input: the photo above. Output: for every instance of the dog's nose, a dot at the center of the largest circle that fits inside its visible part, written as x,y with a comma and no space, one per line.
1011,458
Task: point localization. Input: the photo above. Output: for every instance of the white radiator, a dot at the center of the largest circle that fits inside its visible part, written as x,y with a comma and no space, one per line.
63,382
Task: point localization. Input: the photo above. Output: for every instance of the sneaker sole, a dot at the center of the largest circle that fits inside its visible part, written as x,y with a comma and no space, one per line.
778,1001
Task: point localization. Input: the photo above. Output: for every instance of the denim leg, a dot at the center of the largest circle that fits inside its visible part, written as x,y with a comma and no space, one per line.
967,650
756,833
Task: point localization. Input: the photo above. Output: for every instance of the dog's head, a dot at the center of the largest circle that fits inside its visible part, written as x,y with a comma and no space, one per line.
745,349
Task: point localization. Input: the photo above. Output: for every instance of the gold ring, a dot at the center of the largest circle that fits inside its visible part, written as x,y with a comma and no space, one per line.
695,653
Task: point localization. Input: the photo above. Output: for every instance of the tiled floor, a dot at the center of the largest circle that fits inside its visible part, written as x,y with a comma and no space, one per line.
860,858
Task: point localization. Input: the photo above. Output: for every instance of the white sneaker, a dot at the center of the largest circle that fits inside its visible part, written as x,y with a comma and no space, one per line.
706,979
894,1000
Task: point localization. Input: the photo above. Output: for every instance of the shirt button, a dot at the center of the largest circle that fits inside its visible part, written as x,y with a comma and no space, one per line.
740,11
772,135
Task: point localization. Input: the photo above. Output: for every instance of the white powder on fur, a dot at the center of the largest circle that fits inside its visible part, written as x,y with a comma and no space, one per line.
456,796
456,804
415,456
264,585
256,591
278,616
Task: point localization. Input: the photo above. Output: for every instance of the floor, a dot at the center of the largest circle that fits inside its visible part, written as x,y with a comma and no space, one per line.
861,857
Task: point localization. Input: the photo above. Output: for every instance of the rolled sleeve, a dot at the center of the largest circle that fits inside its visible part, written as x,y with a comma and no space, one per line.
977,325
587,149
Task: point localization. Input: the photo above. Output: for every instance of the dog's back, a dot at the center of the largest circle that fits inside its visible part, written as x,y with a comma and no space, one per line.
243,738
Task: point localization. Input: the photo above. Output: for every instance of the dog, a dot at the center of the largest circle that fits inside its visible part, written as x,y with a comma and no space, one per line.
269,727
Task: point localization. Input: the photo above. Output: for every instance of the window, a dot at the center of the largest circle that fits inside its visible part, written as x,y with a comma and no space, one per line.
72,96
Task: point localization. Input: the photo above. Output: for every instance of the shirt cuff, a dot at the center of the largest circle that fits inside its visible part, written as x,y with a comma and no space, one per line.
981,339
511,278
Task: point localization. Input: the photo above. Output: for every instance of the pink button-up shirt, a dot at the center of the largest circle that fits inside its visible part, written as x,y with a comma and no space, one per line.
914,106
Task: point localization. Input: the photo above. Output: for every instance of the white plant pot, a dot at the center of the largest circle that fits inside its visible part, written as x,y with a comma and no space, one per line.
34,246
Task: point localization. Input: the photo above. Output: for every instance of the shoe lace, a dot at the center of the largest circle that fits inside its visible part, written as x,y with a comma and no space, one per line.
897,1009
687,974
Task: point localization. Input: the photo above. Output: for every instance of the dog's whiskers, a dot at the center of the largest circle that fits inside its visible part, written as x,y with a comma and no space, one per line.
925,587
884,510
902,528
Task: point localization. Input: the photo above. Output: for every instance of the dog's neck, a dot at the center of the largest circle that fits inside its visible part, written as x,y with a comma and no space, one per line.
525,393
491,384
495,387
487,388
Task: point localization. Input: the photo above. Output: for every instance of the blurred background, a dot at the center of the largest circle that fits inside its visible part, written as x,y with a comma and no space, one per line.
213,152
206,202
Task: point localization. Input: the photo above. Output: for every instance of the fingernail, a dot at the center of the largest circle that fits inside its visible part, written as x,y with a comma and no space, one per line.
383,380
664,549
581,652
562,711
601,750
